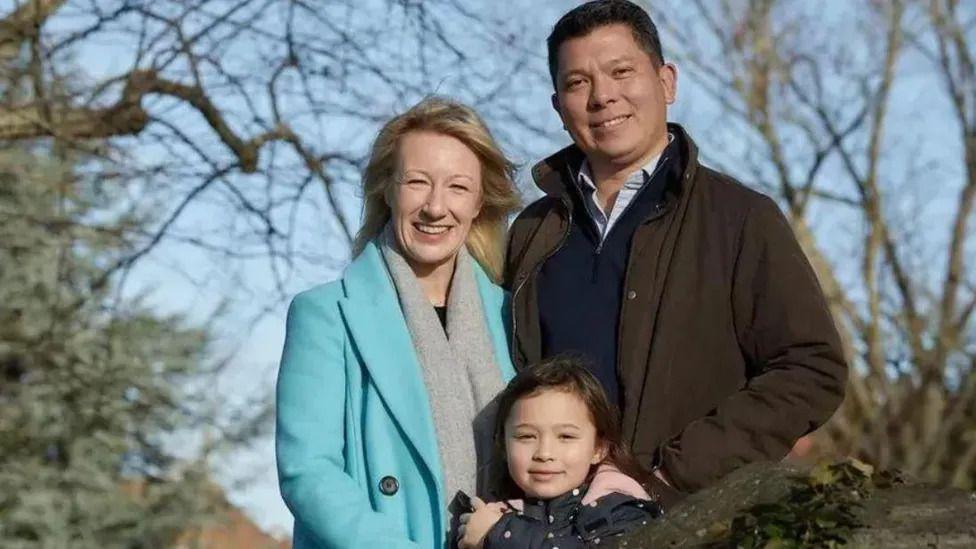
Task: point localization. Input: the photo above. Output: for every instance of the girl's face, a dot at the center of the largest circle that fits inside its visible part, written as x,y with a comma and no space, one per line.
551,443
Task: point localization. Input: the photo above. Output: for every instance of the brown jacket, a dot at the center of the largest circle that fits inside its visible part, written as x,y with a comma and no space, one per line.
727,353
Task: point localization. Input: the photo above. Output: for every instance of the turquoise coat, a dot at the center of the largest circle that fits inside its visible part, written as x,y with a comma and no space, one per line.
352,409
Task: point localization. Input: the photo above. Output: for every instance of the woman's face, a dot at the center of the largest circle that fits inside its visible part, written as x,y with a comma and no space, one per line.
550,443
436,197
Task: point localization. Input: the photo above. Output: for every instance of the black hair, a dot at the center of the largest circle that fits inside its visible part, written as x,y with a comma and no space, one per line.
586,18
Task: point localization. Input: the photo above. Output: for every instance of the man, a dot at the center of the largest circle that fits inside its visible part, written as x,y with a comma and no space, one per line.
686,290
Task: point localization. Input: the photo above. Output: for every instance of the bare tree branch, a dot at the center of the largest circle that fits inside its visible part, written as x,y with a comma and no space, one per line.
23,25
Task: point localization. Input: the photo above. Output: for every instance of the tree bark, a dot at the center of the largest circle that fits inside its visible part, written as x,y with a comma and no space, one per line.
906,515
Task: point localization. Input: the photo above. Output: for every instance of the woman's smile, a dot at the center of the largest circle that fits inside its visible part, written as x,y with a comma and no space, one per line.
431,230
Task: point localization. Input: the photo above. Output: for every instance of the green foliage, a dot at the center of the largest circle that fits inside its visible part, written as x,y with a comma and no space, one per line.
821,510
90,384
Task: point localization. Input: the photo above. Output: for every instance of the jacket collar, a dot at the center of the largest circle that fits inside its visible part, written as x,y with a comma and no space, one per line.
366,280
553,174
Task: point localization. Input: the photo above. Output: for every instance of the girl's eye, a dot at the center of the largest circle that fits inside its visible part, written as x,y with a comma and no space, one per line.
567,436
524,436
415,182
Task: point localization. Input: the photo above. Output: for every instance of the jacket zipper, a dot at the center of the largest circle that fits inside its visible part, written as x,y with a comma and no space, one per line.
535,271
604,237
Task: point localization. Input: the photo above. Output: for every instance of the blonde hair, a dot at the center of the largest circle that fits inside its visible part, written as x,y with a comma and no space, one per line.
486,239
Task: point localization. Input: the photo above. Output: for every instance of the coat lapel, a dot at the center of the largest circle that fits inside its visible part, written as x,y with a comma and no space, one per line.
379,334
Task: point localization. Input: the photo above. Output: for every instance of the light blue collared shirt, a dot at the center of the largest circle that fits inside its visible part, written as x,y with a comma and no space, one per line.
631,187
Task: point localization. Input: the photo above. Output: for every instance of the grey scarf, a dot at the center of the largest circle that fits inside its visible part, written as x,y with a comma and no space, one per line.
459,368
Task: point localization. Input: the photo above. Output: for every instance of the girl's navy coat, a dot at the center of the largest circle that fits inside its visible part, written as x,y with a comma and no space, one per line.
565,523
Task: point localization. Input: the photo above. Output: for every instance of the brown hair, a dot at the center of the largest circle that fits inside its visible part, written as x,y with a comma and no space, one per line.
486,239
563,373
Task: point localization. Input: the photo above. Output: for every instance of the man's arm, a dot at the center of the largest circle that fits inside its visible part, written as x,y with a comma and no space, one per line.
789,339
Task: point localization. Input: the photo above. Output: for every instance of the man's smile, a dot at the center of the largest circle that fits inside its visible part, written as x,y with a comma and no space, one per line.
615,121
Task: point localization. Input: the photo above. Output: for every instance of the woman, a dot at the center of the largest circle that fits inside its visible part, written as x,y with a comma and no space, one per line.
388,373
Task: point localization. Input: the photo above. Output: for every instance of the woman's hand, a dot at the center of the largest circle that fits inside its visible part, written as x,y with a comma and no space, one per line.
474,526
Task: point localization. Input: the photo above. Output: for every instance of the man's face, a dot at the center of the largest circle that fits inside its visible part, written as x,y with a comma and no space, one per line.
612,98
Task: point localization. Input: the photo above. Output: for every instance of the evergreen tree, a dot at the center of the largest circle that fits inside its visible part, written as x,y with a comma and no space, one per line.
90,386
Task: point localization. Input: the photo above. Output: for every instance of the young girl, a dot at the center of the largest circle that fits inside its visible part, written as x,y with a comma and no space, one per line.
559,439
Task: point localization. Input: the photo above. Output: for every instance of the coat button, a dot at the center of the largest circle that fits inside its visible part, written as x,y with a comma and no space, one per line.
631,294
389,485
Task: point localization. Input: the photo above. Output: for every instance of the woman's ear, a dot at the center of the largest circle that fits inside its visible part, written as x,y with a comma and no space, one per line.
481,205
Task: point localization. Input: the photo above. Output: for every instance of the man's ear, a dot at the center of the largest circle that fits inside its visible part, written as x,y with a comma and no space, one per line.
668,74
555,107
